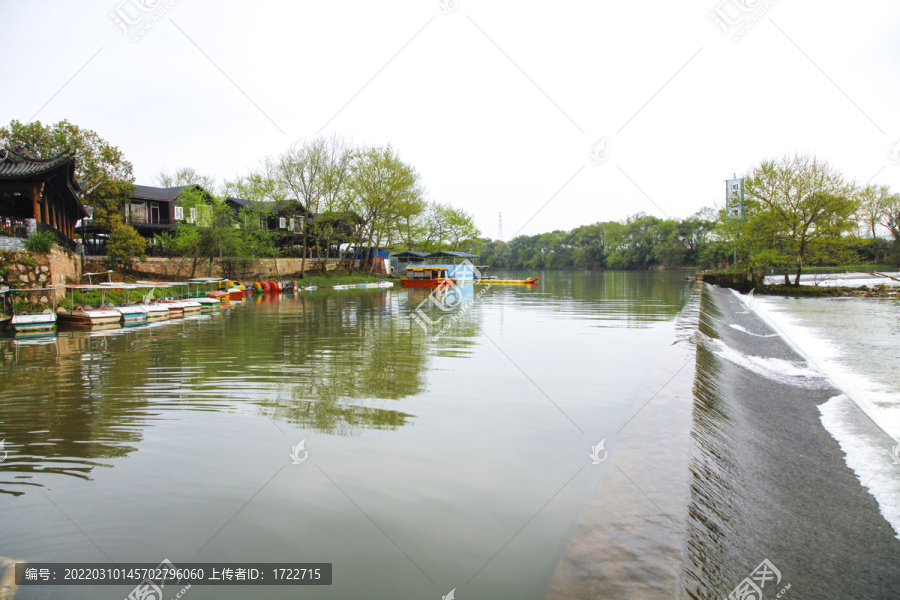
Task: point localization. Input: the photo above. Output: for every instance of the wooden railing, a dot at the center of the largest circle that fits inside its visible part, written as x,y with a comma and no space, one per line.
61,238
11,227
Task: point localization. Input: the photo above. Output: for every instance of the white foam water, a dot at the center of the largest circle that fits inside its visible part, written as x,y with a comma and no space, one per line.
787,372
879,402
874,462
739,328
871,459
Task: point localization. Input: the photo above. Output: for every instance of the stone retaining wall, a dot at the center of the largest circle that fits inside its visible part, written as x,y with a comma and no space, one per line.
22,269
12,244
181,267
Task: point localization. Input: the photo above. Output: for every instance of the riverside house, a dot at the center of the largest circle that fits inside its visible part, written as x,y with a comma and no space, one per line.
150,210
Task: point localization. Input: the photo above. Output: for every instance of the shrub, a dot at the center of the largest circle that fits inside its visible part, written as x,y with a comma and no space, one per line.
40,241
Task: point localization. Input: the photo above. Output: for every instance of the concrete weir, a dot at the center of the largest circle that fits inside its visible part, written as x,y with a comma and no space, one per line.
768,482
729,474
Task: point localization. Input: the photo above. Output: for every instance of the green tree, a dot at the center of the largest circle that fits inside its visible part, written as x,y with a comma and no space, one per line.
106,178
381,185
124,244
99,164
798,208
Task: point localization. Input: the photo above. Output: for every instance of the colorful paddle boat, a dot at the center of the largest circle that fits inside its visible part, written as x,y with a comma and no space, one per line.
31,322
85,315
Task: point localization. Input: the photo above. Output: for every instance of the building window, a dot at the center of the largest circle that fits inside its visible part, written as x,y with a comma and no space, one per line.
179,213
282,222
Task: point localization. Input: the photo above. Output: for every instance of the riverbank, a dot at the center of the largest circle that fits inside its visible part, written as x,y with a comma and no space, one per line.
814,291
858,284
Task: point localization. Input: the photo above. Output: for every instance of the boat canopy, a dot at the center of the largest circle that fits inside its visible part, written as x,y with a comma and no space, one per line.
116,285
409,254
160,283
446,254
10,290
85,286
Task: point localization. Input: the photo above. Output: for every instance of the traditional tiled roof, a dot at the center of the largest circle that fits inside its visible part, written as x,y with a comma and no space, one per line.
19,164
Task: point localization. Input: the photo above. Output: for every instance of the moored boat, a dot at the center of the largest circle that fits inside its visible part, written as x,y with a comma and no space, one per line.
132,314
207,303
85,315
220,297
205,298
180,307
235,289
489,280
424,277
156,311
31,322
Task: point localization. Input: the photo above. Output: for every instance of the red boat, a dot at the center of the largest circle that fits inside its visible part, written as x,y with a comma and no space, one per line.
424,277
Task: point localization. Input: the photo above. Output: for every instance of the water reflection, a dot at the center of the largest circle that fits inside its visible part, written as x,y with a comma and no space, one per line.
611,298
328,362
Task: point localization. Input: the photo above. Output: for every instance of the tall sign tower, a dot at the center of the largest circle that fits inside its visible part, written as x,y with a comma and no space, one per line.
734,198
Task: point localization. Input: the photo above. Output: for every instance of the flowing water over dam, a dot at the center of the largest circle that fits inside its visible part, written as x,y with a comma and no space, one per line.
603,435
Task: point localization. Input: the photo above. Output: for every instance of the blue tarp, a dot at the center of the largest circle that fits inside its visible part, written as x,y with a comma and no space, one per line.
371,255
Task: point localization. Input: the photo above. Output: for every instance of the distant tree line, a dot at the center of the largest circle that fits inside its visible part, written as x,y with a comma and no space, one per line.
798,211
641,241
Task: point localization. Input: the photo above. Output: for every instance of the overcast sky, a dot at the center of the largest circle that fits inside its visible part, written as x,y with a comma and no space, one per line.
555,114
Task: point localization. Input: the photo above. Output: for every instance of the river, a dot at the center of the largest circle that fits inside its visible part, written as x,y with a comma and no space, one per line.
526,442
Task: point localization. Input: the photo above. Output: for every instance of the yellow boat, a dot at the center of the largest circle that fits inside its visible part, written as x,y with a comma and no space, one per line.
529,281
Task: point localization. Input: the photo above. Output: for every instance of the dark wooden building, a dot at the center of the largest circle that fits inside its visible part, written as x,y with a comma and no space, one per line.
41,189
151,209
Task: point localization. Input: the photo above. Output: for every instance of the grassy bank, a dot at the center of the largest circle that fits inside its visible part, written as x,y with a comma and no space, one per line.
822,291
840,269
331,280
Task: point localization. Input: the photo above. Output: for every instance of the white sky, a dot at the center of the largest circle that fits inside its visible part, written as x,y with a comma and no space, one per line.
497,104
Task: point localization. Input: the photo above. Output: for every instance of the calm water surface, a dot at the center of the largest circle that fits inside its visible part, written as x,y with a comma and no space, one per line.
459,461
